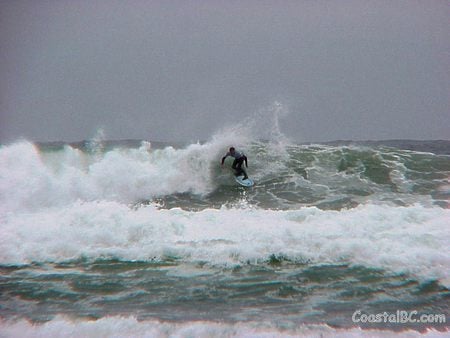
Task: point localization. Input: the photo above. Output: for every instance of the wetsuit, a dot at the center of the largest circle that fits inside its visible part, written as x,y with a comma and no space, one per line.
239,159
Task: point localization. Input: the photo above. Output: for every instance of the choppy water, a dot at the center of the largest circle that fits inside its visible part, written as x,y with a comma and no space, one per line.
134,238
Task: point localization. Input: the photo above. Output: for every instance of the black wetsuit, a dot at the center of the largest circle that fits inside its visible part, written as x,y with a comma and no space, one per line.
239,159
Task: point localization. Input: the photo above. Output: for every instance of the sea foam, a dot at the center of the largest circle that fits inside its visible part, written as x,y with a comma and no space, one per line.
410,239
130,327
31,179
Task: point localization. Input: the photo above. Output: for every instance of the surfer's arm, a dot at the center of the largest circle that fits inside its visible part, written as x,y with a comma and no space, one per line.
223,158
245,159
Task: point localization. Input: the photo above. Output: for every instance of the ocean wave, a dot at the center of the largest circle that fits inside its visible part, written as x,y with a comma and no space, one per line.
409,239
30,178
287,176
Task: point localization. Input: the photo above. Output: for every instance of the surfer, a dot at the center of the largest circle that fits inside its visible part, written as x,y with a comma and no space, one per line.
239,158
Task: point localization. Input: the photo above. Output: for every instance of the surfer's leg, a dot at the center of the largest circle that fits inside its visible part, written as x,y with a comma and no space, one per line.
235,162
239,169
235,168
244,173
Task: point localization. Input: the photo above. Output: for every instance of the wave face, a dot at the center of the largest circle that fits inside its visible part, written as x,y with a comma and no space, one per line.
162,233
287,176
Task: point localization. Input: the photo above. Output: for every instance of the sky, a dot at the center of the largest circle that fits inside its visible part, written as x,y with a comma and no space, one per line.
182,70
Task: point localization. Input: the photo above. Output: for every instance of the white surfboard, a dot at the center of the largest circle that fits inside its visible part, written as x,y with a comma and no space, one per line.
248,182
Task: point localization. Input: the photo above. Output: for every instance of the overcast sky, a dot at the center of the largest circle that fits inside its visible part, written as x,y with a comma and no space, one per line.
181,70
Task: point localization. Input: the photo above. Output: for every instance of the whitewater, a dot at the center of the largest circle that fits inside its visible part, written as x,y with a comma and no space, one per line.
140,238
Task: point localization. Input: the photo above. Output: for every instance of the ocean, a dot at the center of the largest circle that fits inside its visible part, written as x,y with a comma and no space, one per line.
149,239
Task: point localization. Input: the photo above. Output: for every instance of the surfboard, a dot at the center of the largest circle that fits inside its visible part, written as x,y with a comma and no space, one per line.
245,183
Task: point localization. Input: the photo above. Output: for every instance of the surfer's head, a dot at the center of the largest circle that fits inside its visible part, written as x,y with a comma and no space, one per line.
232,149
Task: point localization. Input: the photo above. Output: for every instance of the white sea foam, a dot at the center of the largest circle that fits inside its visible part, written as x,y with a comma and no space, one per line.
30,179
57,206
130,327
410,239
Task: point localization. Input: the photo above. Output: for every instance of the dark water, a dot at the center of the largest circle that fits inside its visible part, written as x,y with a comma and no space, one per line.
289,294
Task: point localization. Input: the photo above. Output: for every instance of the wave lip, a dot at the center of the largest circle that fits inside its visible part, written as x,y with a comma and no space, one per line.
32,179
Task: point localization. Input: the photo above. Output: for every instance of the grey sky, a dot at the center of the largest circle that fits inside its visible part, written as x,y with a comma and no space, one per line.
180,70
